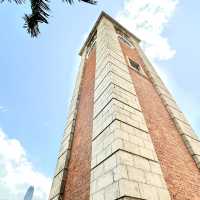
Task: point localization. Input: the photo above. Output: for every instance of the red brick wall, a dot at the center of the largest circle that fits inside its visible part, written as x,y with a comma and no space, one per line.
78,178
181,174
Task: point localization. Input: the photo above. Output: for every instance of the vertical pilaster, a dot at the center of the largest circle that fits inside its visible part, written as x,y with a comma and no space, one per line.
59,178
124,163
189,137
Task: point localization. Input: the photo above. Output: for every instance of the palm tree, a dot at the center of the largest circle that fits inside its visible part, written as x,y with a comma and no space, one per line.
40,13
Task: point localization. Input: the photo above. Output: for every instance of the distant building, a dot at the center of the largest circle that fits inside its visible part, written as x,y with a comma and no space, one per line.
29,193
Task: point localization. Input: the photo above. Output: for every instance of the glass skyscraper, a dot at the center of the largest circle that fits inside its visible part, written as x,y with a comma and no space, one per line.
29,193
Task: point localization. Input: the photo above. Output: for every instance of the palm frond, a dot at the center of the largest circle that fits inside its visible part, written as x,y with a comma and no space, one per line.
16,1
39,14
86,1
69,1
90,1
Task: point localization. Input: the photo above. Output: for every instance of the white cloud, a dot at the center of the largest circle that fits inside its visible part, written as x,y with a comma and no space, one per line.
147,19
17,173
3,109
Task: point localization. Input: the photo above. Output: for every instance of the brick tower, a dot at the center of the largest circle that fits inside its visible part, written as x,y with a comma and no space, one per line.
125,137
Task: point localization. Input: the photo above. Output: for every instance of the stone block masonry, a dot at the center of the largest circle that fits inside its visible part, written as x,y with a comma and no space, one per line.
75,151
124,163
125,137
59,179
180,172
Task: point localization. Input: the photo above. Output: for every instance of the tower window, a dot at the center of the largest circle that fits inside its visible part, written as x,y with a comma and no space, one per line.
124,37
125,40
134,65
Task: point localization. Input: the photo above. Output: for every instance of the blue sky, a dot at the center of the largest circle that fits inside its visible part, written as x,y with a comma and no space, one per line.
37,75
